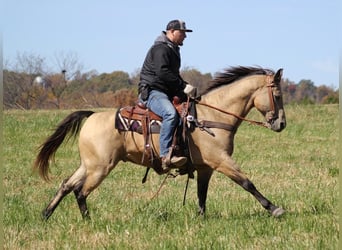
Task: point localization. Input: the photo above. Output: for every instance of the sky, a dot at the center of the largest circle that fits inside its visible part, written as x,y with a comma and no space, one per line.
300,36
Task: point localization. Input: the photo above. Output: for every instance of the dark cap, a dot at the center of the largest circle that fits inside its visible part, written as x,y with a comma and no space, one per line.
177,25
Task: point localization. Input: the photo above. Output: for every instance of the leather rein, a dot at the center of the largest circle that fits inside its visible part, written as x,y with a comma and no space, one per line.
228,127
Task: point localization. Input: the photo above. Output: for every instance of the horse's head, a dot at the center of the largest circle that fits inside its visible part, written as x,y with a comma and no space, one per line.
269,102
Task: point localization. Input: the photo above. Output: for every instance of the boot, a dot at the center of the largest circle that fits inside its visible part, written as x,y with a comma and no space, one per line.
174,162
169,162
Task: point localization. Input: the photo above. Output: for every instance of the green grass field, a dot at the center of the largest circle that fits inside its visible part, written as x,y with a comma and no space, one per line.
297,169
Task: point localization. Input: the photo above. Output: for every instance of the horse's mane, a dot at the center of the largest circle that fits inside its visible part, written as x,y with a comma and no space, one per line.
230,75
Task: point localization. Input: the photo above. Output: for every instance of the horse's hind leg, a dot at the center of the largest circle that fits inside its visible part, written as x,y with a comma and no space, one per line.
66,187
96,173
62,191
82,203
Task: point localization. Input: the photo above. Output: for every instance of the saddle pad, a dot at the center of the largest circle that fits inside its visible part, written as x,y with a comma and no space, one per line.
125,124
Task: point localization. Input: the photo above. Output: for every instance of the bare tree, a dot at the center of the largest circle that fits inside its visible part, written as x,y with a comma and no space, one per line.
69,68
69,63
20,88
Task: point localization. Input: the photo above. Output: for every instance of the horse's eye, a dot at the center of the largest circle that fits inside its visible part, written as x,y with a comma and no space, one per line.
277,93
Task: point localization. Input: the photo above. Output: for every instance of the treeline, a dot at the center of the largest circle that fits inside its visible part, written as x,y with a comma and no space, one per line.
29,85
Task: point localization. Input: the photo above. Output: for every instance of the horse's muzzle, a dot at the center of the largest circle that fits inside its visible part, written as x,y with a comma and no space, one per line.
279,124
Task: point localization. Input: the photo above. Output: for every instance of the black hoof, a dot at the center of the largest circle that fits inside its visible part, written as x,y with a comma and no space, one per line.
45,215
86,215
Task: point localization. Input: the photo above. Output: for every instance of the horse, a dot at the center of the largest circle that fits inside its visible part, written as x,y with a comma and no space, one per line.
226,100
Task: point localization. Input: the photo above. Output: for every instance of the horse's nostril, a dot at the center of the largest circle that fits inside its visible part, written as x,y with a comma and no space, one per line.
282,125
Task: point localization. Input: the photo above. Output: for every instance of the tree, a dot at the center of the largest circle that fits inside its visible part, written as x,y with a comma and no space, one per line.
135,77
57,85
288,89
68,64
124,97
20,85
108,82
305,92
196,78
28,84
331,97
69,68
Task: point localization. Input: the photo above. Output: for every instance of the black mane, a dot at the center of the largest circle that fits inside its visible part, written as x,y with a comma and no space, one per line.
230,75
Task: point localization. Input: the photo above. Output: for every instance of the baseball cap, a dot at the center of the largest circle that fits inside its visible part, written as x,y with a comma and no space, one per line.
177,25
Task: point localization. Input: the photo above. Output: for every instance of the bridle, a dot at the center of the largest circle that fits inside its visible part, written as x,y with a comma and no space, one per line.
270,115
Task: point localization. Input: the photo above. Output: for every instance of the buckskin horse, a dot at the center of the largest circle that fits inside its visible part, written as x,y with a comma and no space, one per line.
224,101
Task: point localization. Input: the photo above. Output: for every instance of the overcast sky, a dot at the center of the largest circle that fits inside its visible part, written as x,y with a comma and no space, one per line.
301,36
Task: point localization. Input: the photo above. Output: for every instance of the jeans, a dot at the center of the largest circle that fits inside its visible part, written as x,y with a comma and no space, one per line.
160,104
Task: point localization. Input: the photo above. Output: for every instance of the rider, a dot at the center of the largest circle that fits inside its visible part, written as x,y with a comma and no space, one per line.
160,81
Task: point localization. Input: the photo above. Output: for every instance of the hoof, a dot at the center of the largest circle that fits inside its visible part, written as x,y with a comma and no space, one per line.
45,215
278,212
201,212
85,215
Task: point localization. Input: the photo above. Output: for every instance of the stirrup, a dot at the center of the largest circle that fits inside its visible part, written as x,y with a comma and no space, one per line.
174,162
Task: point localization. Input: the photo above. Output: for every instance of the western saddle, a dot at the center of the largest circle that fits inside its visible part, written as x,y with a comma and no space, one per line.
144,116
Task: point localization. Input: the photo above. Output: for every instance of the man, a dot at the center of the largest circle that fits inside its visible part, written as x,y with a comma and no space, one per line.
160,81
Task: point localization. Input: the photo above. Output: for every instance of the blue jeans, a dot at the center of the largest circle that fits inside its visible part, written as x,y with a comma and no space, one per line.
160,104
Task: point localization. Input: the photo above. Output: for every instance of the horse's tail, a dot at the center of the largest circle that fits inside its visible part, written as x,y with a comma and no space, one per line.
70,126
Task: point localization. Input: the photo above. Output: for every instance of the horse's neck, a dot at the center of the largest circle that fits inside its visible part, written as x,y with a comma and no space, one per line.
236,97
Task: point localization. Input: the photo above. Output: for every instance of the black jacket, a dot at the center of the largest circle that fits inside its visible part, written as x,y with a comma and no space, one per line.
160,70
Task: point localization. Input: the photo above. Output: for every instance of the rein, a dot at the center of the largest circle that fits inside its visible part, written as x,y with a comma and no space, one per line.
262,124
269,85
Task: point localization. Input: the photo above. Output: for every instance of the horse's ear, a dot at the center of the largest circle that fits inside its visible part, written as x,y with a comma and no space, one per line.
278,75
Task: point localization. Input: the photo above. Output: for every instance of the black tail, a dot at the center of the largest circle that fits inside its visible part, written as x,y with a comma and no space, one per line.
71,125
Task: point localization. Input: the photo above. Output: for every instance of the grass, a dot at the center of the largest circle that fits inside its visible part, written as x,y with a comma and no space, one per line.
296,169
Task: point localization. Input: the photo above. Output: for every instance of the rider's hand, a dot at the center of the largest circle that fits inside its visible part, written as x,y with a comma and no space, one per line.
190,90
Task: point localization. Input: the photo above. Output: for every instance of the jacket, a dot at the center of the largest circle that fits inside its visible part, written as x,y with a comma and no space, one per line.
160,70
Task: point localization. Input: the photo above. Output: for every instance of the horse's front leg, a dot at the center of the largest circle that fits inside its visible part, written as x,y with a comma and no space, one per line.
203,177
232,170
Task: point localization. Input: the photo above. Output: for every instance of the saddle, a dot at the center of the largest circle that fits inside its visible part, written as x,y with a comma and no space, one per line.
141,120
138,112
